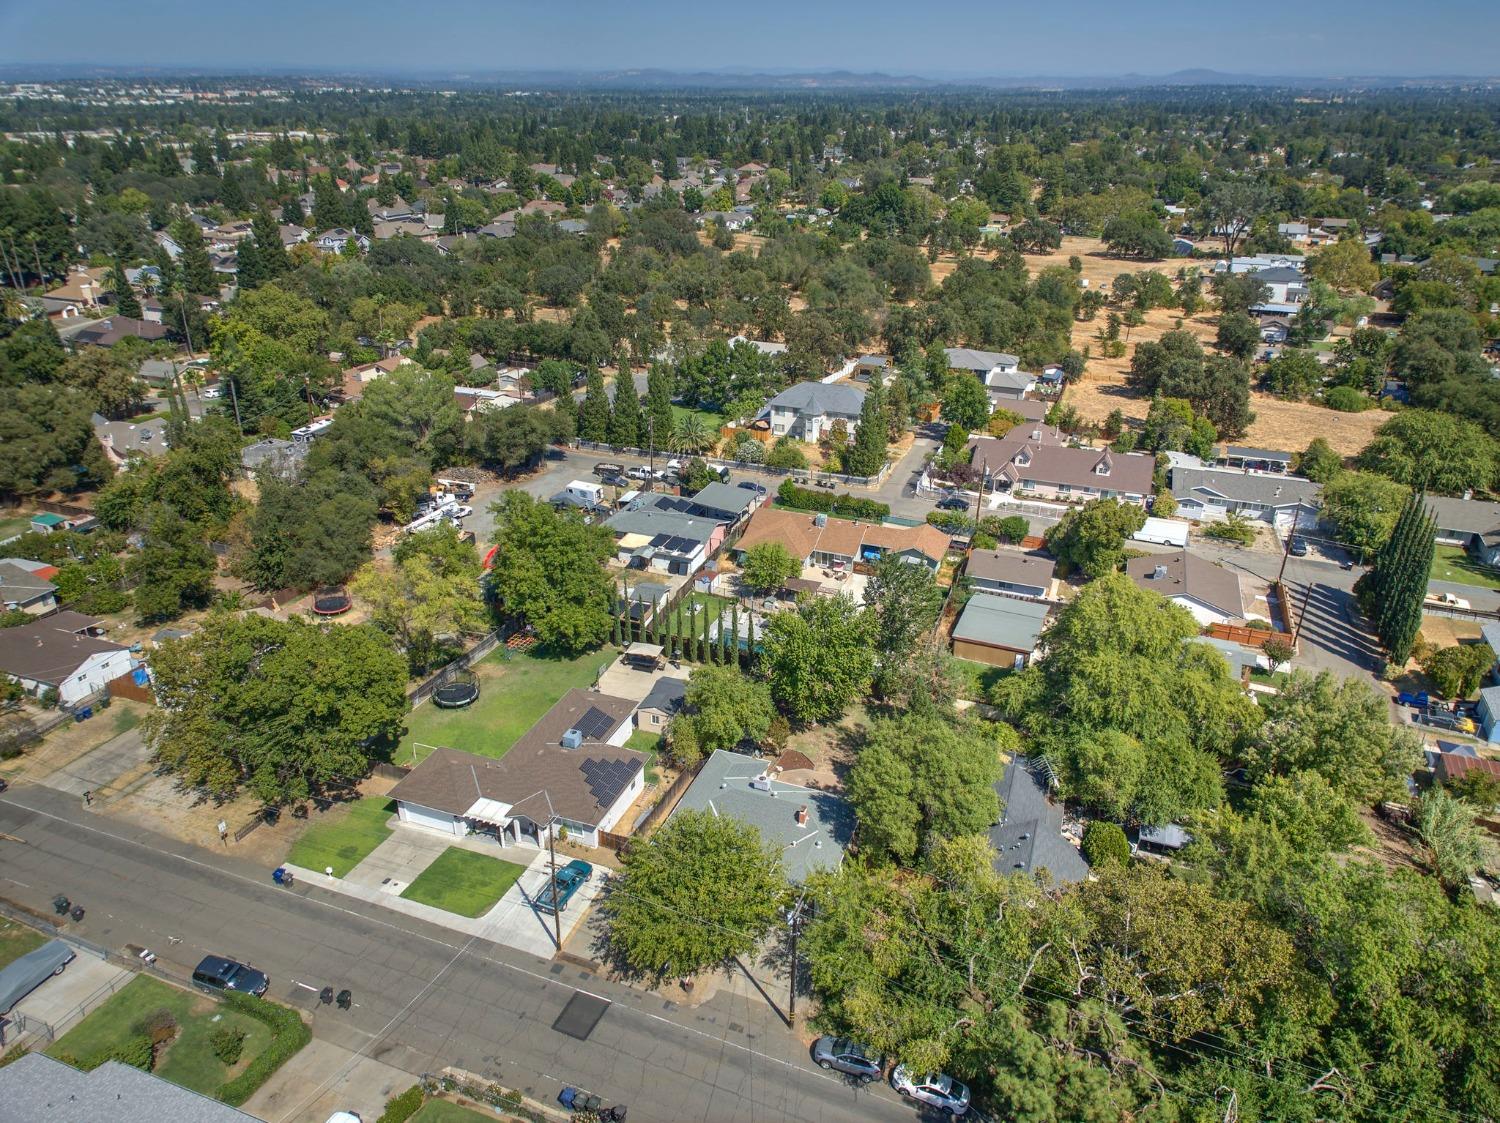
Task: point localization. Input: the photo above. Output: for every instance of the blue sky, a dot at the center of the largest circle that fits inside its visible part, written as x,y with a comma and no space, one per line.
945,38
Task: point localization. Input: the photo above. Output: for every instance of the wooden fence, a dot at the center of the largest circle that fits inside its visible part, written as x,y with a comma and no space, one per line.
658,814
427,689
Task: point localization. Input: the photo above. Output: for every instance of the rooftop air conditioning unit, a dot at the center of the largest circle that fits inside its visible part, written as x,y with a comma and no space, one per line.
572,739
761,783
1159,573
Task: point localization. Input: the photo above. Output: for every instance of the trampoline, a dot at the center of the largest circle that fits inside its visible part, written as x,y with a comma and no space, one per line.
332,601
459,691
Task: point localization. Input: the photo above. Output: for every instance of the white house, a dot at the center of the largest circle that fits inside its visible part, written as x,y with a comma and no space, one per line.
808,410
334,241
1210,592
569,770
1207,494
64,651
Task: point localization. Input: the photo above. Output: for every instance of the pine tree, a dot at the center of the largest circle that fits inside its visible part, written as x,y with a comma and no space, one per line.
749,640
866,455
195,264
291,212
659,403
125,298
268,240
250,266
593,415
625,416
734,624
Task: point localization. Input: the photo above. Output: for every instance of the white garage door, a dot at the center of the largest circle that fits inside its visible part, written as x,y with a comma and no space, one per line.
426,817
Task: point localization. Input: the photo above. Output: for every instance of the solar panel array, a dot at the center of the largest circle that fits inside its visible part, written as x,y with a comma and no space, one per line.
608,778
595,724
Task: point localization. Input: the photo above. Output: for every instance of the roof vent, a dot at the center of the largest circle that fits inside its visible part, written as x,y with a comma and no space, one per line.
1159,573
572,739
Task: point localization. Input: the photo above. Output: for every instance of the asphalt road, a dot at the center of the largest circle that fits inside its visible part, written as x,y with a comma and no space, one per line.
424,996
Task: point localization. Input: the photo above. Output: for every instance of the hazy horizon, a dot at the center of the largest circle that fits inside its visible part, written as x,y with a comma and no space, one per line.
958,40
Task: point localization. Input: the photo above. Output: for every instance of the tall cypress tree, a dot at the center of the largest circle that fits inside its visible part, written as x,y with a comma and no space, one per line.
1398,579
125,298
196,266
625,416
593,415
659,404
866,456
268,241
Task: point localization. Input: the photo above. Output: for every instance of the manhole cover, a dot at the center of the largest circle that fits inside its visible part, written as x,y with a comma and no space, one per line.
580,1015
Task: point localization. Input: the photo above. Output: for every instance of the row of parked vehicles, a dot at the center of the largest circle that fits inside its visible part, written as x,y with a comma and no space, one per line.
840,1054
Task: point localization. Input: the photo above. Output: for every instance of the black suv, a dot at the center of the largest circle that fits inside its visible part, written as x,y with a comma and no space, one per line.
217,974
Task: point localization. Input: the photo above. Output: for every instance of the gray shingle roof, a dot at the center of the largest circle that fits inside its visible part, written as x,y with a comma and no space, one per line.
1029,836
38,1087
1476,516
1011,567
966,358
818,398
723,787
1184,574
666,695
1244,487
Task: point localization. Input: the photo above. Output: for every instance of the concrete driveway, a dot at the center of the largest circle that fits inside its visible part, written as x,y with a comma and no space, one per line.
64,1000
113,765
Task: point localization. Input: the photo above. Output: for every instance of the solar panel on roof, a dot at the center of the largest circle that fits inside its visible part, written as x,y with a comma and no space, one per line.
595,724
607,778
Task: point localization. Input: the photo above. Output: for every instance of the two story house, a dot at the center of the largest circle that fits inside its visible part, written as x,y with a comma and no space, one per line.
808,410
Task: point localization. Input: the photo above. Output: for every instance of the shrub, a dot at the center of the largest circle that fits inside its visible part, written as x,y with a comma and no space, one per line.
398,1109
288,1034
1346,399
135,1051
1104,843
850,506
1011,528
228,1044
159,1027
951,522
854,507
1233,528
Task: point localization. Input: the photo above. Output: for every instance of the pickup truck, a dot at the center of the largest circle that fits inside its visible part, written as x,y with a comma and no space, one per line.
1447,600
569,880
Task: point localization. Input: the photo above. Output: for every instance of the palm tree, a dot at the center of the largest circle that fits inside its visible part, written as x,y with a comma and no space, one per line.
692,436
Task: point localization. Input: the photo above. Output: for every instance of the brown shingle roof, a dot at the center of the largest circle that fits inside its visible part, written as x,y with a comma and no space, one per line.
1011,566
52,648
452,781
800,534
1188,575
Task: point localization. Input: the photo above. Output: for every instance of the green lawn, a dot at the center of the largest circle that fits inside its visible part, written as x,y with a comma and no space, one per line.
16,940
344,836
645,741
10,527
441,1111
1453,563
513,693
189,1058
712,421
463,882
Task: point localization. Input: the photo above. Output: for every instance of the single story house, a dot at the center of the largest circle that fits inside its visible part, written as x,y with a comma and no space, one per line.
1029,836
1010,571
37,1086
282,458
25,584
48,522
121,438
1486,712
1473,524
1213,493
659,532
839,543
1253,459
1455,766
569,768
982,364
808,410
112,329
496,229
1259,262
659,707
810,827
84,289
1242,661
1166,840
999,631
1210,592
1183,247
765,348
65,651
724,502
1035,459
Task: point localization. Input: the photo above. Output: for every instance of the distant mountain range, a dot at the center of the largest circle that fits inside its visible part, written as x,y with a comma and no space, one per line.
744,79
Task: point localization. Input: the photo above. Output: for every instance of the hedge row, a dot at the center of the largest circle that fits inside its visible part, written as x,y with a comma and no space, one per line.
849,506
289,1033
398,1109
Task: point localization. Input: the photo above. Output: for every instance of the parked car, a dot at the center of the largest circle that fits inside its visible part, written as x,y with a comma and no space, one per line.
1419,700
674,465
749,485
1297,547
217,975
607,468
31,970
638,473
615,479
942,1092
209,393
953,503
569,880
844,1055
461,511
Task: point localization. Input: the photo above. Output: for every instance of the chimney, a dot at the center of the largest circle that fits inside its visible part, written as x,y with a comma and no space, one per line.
802,815
1159,573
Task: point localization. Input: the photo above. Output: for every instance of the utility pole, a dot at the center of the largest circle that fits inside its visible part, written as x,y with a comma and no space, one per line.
650,438
795,919
235,398
984,474
552,861
1286,547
